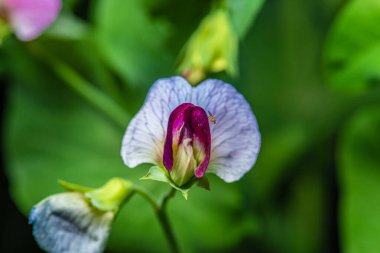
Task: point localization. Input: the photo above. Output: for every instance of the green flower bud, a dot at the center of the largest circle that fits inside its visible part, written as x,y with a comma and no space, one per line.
212,48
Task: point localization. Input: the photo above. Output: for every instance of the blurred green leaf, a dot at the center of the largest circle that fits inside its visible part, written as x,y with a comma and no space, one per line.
68,27
298,226
286,145
243,14
132,41
295,111
352,56
359,176
51,134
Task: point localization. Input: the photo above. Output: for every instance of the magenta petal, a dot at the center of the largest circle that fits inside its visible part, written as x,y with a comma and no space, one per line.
188,122
201,134
176,119
29,18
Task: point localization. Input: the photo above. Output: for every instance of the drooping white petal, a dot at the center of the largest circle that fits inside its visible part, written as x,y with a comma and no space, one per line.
67,223
29,18
145,136
235,138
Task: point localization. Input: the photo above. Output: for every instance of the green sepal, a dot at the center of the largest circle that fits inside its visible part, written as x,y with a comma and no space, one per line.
184,191
203,183
160,174
74,187
112,195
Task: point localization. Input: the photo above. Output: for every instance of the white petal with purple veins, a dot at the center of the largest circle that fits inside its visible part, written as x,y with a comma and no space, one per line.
235,138
144,139
29,18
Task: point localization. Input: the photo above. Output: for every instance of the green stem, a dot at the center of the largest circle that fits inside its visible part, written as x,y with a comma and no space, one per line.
165,223
160,210
86,89
164,199
148,196
104,78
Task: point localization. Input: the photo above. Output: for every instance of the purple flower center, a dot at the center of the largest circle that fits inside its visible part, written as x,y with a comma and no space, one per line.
187,144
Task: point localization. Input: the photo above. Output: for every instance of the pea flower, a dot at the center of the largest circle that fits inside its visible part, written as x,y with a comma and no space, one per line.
29,18
78,221
187,131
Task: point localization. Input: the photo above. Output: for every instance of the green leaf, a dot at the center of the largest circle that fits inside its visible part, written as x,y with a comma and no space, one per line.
243,14
285,144
352,56
68,27
132,42
359,176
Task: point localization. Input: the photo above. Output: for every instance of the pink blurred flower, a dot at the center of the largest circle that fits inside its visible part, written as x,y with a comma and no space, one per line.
29,18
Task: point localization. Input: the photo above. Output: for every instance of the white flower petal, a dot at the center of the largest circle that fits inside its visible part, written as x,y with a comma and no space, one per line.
145,136
235,138
67,223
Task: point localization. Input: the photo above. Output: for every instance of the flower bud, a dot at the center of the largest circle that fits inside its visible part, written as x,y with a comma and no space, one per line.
212,48
187,144
80,220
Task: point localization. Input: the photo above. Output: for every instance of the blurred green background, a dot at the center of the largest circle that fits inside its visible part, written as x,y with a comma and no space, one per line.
310,70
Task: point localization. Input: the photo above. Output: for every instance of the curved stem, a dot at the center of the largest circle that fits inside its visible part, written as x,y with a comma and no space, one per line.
160,210
93,95
148,196
168,230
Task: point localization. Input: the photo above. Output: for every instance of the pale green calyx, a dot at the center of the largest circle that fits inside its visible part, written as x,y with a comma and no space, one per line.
158,173
212,47
110,196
